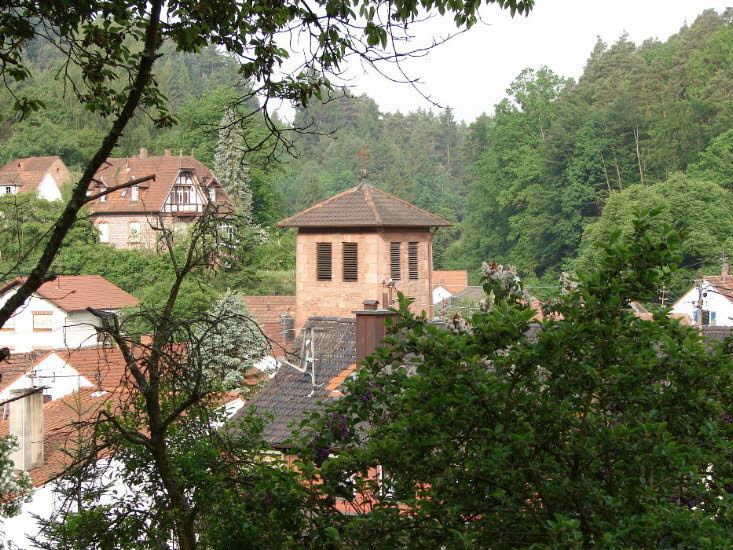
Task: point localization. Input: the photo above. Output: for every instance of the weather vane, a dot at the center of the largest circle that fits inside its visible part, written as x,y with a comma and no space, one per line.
364,155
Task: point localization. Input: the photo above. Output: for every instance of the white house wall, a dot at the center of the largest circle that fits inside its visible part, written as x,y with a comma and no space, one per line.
440,294
49,189
713,302
68,330
59,378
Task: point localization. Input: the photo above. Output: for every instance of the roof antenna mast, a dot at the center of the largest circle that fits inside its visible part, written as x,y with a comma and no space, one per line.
307,358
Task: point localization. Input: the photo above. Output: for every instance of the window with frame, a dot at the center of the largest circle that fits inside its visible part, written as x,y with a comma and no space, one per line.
103,229
395,261
134,232
323,261
8,190
212,194
42,321
134,193
351,261
103,198
412,261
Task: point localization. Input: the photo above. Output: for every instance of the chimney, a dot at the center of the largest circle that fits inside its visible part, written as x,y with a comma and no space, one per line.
26,424
287,328
370,329
193,153
167,153
143,153
725,270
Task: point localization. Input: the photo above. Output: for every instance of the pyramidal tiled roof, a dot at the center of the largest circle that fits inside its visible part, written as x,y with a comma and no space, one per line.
364,206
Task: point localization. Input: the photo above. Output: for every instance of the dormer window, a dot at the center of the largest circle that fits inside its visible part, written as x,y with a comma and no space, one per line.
134,193
184,178
103,198
212,194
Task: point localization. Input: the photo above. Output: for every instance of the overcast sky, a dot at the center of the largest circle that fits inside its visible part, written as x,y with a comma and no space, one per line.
471,72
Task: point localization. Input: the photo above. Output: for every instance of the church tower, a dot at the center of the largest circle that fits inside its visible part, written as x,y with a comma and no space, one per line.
362,244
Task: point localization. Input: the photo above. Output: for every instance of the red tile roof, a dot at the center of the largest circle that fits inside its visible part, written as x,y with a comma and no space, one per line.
152,194
266,311
27,172
364,206
17,364
453,280
78,292
65,420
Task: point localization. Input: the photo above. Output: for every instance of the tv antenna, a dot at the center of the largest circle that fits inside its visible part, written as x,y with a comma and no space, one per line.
307,358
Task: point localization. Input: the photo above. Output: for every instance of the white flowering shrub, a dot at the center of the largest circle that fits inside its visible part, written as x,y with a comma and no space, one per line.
230,343
15,487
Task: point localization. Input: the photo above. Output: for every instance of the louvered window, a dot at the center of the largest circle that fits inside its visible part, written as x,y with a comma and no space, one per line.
412,260
394,260
323,259
351,261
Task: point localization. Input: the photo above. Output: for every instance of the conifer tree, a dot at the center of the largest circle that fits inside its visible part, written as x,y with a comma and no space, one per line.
231,165
233,344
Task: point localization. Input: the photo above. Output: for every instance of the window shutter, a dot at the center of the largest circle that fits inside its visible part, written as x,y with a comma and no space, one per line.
351,261
706,318
394,260
412,260
323,259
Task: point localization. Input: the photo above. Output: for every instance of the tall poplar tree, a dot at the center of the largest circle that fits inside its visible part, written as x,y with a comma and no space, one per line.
231,165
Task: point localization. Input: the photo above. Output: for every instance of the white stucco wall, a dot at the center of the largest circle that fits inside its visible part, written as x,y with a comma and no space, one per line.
45,501
52,372
48,189
440,294
69,329
713,302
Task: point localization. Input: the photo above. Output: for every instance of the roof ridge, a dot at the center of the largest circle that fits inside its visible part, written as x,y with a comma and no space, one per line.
367,190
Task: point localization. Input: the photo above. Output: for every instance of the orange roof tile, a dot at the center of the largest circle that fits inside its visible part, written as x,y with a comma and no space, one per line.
64,421
78,292
364,206
152,194
27,173
453,280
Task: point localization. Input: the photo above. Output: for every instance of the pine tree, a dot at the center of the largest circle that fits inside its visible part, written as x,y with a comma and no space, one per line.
231,165
231,344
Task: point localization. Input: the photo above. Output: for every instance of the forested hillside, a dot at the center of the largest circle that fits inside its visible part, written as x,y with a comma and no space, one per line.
553,167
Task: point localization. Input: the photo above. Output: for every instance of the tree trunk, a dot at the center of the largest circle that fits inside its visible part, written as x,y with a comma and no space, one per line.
638,155
39,274
605,172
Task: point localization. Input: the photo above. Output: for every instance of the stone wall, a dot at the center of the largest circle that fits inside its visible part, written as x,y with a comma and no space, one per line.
119,230
339,298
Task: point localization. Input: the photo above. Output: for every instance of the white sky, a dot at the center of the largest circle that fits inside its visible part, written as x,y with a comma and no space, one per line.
471,72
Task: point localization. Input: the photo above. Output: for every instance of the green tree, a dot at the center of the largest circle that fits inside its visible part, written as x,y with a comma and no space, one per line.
232,346
591,429
701,207
231,165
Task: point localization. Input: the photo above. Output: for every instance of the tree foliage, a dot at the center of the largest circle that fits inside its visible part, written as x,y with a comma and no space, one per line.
592,428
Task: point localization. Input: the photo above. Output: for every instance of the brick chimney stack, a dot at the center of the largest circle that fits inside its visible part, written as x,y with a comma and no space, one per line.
167,153
26,424
143,153
370,329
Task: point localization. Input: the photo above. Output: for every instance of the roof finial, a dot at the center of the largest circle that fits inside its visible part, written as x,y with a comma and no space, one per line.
364,155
